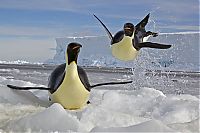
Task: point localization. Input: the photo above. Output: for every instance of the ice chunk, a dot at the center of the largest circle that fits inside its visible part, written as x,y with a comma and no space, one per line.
54,118
149,126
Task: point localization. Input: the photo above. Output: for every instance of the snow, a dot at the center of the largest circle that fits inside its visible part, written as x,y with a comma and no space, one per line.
144,109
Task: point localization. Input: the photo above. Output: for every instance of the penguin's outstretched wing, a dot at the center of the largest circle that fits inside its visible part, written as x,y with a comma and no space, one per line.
153,45
84,79
27,88
107,31
55,79
111,83
141,25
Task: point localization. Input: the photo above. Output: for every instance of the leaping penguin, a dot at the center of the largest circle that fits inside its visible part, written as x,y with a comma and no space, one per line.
68,83
126,43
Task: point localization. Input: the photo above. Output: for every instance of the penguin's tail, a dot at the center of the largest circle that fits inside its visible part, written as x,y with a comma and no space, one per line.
111,83
27,88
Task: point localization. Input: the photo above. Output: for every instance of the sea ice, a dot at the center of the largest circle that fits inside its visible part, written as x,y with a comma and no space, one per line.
144,109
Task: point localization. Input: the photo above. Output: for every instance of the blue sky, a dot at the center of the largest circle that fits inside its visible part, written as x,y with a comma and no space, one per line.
41,21
54,18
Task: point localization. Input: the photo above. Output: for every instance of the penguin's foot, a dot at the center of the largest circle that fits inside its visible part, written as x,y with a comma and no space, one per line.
154,34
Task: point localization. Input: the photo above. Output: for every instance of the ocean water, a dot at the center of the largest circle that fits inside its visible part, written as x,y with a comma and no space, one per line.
182,56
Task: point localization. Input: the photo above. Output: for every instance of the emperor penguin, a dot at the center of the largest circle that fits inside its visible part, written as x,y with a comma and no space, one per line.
68,83
125,44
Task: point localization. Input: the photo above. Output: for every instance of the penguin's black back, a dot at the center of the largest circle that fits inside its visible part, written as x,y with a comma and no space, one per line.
117,37
56,77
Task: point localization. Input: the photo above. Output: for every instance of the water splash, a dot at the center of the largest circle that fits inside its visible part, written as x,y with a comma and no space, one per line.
145,74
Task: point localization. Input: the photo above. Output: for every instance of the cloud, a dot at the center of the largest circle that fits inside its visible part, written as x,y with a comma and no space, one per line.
36,4
130,6
78,5
11,31
29,31
169,12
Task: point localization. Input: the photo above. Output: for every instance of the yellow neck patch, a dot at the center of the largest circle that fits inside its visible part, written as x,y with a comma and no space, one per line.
71,94
124,49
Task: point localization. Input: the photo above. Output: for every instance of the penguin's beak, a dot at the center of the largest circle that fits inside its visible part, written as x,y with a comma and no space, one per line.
77,47
127,28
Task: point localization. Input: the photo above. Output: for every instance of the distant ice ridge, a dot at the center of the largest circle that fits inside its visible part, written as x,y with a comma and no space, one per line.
19,62
183,55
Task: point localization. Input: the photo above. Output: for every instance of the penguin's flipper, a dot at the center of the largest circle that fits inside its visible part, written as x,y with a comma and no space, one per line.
153,45
27,88
107,31
143,23
111,83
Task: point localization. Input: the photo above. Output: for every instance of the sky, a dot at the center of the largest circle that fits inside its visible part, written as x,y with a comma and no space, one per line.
27,22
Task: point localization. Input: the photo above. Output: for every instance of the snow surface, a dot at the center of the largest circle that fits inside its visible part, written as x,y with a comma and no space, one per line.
145,109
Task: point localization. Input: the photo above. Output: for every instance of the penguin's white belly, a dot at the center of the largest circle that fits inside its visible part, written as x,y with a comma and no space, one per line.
124,49
145,39
71,94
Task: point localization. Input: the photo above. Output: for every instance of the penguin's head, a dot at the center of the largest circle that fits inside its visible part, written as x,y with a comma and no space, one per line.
73,50
129,29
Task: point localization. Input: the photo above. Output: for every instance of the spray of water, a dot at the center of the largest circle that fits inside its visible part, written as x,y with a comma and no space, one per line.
145,74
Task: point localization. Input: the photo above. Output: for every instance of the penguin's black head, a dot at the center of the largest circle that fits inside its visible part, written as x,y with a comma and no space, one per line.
72,52
129,29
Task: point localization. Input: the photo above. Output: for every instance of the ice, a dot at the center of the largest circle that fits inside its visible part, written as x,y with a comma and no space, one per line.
144,109
52,119
19,62
174,108
10,70
22,97
149,126
9,112
19,97
142,105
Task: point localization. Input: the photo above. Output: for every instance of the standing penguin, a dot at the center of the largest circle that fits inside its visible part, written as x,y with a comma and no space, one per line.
68,83
126,43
